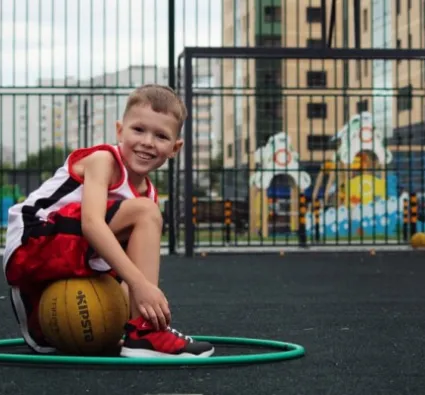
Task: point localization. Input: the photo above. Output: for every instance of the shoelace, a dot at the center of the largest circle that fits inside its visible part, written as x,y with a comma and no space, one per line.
179,334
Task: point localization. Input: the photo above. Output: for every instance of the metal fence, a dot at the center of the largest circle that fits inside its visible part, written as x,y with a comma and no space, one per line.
323,158
287,143
66,68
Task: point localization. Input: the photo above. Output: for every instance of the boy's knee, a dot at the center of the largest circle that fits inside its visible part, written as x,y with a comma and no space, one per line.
147,209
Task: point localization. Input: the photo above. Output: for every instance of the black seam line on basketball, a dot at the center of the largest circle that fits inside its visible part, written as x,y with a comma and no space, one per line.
74,342
42,310
29,212
100,303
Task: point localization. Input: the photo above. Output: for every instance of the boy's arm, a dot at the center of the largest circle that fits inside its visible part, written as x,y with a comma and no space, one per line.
98,172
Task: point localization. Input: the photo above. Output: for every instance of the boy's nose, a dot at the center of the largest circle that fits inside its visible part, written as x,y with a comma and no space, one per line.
146,139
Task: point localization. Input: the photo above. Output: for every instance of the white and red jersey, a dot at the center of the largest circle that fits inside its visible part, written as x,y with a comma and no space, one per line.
63,188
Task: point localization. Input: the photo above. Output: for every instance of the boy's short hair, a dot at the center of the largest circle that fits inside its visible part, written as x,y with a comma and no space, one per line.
161,98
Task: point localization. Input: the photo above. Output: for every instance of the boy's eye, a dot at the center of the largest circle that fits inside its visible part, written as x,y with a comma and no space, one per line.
138,129
163,136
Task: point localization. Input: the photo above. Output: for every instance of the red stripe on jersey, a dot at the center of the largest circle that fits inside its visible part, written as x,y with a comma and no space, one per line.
81,153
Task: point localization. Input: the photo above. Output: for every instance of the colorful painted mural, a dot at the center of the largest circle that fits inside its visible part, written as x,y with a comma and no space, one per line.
9,195
361,196
358,195
277,158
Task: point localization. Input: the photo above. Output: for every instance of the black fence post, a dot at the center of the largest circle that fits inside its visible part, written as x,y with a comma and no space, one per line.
316,208
171,162
413,213
188,160
405,220
228,218
194,213
302,231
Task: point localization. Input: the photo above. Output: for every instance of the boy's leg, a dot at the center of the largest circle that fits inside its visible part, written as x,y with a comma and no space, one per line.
139,221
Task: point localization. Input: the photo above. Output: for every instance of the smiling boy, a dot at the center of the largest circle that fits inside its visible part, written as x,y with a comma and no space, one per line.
99,212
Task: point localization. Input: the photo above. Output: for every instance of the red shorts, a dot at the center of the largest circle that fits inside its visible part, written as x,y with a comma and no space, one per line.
55,249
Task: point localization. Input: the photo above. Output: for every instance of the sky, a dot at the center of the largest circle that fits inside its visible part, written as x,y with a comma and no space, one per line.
81,38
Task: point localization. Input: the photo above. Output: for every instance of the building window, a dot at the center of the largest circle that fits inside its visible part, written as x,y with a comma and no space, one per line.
362,105
273,109
314,43
365,20
317,110
398,6
316,79
229,150
314,14
272,78
272,14
404,98
321,142
270,41
410,41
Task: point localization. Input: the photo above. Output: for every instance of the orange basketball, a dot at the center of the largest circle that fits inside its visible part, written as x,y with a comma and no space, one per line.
84,316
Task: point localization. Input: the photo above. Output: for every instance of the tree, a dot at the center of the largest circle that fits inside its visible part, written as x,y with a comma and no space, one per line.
160,180
47,159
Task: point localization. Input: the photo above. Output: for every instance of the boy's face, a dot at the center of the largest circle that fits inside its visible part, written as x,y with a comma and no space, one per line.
147,139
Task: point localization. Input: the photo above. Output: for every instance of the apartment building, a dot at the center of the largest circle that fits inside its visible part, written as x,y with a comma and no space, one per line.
42,117
31,121
103,108
312,99
205,112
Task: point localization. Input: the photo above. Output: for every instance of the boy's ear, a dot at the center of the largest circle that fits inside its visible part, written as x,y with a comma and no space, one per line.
177,147
118,130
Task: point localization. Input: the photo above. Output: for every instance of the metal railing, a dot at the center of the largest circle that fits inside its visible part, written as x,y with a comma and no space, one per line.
258,72
314,152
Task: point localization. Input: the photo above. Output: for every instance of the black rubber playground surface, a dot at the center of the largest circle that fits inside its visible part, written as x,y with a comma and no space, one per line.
360,317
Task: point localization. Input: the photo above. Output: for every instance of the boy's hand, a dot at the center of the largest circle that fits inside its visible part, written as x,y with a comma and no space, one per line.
151,303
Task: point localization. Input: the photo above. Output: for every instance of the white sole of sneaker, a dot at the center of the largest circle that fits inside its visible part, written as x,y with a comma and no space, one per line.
139,353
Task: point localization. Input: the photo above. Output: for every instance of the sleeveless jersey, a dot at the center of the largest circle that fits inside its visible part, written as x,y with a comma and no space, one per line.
63,188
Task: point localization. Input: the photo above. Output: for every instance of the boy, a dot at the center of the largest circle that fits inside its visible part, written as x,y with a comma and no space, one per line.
97,204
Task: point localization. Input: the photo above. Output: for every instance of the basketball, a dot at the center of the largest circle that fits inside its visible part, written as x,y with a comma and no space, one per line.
84,316
418,240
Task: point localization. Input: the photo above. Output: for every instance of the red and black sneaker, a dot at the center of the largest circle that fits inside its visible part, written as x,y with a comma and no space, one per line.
141,340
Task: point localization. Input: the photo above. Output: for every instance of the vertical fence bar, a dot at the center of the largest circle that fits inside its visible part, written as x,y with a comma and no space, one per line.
302,234
323,17
171,162
413,213
227,205
188,160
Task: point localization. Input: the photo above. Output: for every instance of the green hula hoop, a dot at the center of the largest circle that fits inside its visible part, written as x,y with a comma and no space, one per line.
286,351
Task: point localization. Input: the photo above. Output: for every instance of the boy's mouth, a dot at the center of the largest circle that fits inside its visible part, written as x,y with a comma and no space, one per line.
145,155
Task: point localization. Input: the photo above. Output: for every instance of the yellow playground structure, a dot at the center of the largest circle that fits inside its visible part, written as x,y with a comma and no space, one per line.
356,175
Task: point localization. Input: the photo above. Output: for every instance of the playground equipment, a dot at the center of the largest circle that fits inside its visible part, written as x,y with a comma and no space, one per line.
9,195
356,174
277,157
361,197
